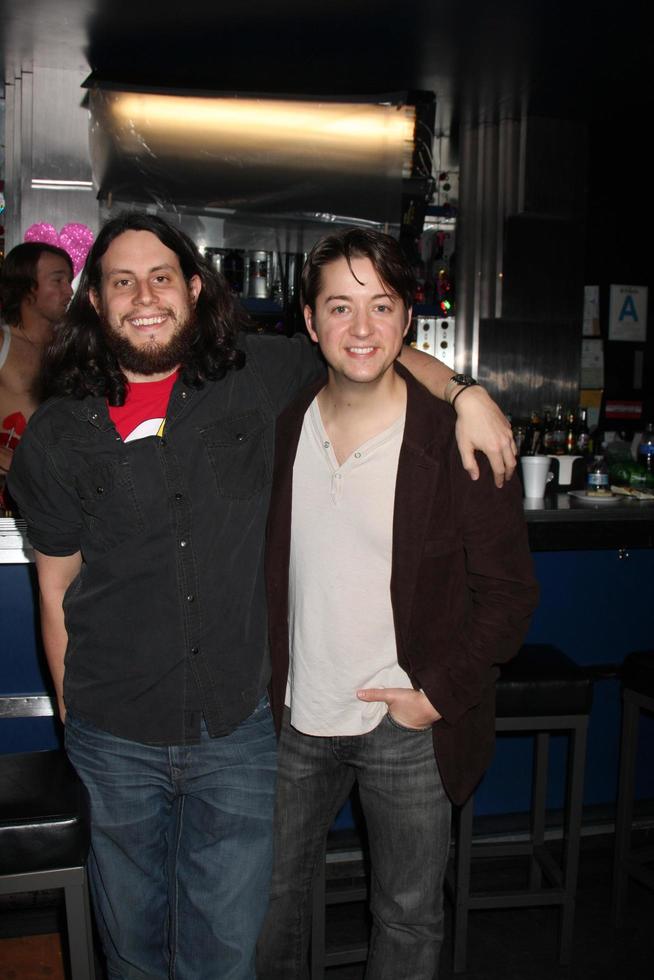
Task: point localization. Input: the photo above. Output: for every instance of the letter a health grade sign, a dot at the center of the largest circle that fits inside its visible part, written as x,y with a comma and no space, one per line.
628,313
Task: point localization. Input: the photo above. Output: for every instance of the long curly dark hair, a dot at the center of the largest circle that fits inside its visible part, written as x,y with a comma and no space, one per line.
78,361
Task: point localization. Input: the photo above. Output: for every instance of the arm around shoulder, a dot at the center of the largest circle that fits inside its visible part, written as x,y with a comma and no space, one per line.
480,424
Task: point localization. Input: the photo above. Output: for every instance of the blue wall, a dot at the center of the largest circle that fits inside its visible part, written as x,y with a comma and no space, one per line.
596,608
23,669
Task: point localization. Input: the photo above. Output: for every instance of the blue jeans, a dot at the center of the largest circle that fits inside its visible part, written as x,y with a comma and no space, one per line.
408,823
181,848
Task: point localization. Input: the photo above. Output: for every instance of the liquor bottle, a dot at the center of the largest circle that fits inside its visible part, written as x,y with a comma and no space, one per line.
570,434
533,436
547,432
558,432
583,435
597,478
646,450
539,432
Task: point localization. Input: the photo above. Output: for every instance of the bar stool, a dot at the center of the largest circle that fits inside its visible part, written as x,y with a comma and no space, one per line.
44,834
629,862
540,692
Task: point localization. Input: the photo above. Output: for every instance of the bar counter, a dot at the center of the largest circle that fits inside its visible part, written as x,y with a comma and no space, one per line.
561,522
558,522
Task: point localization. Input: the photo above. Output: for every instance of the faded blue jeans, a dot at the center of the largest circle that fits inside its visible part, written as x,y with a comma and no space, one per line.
181,848
408,823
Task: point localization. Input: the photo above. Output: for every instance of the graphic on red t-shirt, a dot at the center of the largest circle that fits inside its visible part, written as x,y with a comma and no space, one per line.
144,411
12,428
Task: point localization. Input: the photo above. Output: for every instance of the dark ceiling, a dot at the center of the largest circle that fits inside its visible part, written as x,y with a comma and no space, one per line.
573,59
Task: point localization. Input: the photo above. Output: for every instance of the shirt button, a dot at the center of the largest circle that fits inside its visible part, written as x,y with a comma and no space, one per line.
357,455
326,445
184,394
183,544
178,496
99,489
190,597
195,651
164,441
240,437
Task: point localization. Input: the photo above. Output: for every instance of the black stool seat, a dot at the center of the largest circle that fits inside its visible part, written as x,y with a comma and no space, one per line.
42,817
630,859
542,680
44,831
638,673
539,693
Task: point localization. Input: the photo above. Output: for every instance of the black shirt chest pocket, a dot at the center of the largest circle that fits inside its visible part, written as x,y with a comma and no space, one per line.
239,453
108,500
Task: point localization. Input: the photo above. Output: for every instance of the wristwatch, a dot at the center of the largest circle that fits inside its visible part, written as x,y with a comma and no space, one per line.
461,381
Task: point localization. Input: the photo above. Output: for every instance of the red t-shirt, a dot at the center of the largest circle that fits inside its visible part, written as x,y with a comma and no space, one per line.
144,411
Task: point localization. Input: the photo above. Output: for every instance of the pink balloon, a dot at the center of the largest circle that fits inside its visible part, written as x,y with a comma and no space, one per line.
42,232
77,240
74,238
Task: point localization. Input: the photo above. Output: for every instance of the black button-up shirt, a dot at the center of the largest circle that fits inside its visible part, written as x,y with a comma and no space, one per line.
166,621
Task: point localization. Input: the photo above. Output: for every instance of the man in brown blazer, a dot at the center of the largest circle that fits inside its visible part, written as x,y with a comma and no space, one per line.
395,586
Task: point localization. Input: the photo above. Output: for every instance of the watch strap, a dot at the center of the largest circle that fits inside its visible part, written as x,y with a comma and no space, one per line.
460,381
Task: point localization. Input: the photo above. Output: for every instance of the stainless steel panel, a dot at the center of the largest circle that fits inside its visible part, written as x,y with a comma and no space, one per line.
46,137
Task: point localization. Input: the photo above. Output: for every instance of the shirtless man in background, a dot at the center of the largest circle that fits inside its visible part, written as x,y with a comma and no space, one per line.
35,289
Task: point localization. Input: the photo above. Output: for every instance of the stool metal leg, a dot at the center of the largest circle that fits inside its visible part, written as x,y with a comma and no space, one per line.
318,920
574,809
80,936
538,805
462,886
624,812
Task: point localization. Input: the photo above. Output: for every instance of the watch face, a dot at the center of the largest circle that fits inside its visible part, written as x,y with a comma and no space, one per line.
464,379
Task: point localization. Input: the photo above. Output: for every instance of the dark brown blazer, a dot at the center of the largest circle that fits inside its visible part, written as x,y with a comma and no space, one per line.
462,585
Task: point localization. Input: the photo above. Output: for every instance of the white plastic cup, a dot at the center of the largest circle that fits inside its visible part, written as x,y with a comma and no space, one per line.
535,475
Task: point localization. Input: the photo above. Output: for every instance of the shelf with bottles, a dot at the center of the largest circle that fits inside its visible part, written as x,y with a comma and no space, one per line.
556,431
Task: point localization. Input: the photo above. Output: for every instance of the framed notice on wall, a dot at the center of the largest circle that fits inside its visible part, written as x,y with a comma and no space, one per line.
592,363
591,312
628,313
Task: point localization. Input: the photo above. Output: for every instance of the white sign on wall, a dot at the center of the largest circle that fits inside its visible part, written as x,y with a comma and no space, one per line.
628,313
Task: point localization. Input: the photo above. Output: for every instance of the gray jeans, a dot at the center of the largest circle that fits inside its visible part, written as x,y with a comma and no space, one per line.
408,824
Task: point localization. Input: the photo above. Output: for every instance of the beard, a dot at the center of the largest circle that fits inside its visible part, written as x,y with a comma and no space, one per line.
152,357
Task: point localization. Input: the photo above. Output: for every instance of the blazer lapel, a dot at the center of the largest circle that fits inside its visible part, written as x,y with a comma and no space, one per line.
415,495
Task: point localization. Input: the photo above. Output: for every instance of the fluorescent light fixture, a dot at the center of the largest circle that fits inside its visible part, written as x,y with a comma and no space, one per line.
267,155
264,121
46,184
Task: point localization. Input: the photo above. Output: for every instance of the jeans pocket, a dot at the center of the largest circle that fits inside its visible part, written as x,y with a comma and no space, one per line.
406,728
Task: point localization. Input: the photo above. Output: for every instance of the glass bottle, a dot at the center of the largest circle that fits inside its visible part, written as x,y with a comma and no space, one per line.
646,450
583,435
570,434
558,432
548,423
